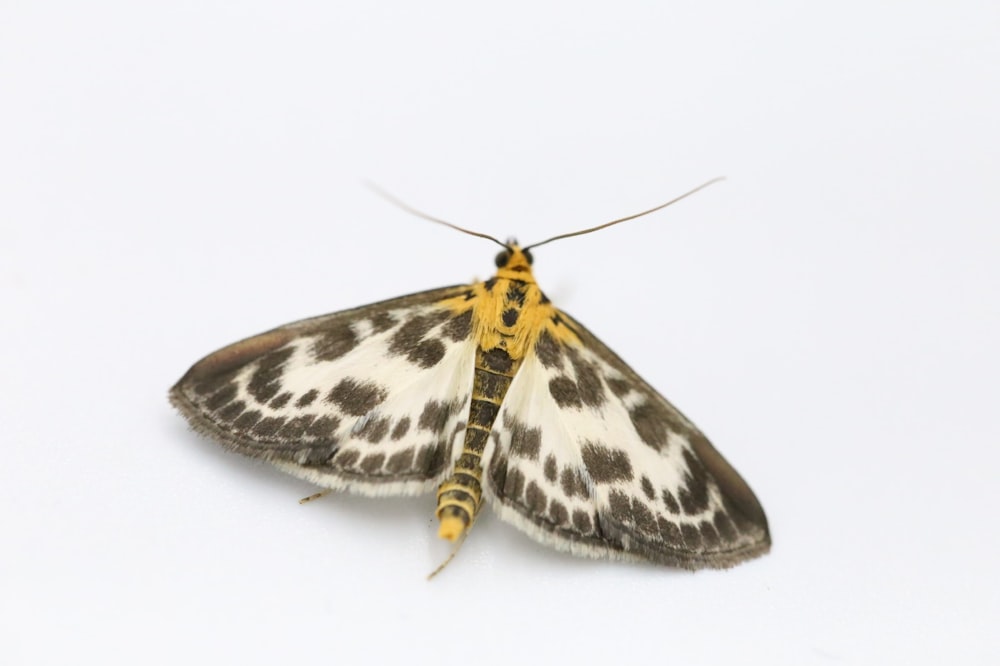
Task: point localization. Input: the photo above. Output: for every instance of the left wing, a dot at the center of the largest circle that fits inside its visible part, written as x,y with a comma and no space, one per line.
371,400
587,457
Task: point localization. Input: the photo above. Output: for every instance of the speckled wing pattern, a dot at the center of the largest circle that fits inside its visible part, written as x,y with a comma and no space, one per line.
487,393
370,400
587,457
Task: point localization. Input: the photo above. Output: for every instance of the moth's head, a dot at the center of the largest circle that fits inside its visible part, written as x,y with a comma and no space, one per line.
513,258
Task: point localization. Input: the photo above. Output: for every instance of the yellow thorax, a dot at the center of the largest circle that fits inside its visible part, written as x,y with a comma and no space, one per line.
509,311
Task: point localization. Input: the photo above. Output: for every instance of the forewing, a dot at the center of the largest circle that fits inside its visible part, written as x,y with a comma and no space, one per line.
587,457
370,399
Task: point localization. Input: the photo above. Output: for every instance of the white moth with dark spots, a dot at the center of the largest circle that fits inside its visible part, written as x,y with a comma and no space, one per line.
482,392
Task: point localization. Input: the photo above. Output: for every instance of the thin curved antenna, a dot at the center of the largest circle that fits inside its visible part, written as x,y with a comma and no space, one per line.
430,218
630,217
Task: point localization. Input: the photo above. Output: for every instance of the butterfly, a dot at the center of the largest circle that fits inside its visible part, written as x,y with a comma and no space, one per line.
487,394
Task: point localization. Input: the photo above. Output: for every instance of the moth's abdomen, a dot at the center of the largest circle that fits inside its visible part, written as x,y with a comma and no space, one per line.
460,497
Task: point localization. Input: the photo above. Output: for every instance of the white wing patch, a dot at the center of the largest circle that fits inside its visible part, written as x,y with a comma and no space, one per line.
373,401
586,457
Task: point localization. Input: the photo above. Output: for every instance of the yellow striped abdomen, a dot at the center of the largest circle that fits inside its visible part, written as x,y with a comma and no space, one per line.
460,497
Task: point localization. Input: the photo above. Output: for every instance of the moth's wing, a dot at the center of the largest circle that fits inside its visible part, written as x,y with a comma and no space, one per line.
587,457
370,399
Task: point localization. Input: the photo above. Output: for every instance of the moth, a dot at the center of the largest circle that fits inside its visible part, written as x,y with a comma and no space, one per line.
484,393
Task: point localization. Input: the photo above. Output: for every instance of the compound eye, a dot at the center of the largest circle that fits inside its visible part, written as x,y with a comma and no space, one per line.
527,255
502,258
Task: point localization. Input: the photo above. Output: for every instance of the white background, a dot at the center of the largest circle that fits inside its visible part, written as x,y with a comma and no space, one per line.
178,175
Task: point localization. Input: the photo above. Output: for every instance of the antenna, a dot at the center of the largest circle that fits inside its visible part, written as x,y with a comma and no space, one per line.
430,218
630,217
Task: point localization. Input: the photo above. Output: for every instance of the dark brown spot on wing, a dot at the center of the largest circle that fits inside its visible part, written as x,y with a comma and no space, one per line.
619,506
374,430
548,351
694,497
551,469
670,502
317,456
647,488
232,410
222,397
204,385
724,526
708,535
459,328
372,462
620,387
296,427
563,390
652,421
268,427
334,342
265,382
400,462
606,465
247,420
430,459
280,401
382,322
692,536
401,428
323,427
572,483
581,521
410,334
347,457
524,442
435,415
535,498
427,354
558,512
588,382
356,397
307,398
670,533
642,517
514,483
498,470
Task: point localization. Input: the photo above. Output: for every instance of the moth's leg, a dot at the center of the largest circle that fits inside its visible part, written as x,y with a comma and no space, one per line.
315,496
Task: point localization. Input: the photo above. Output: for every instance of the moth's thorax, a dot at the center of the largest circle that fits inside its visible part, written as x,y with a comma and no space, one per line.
516,275
511,316
509,311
